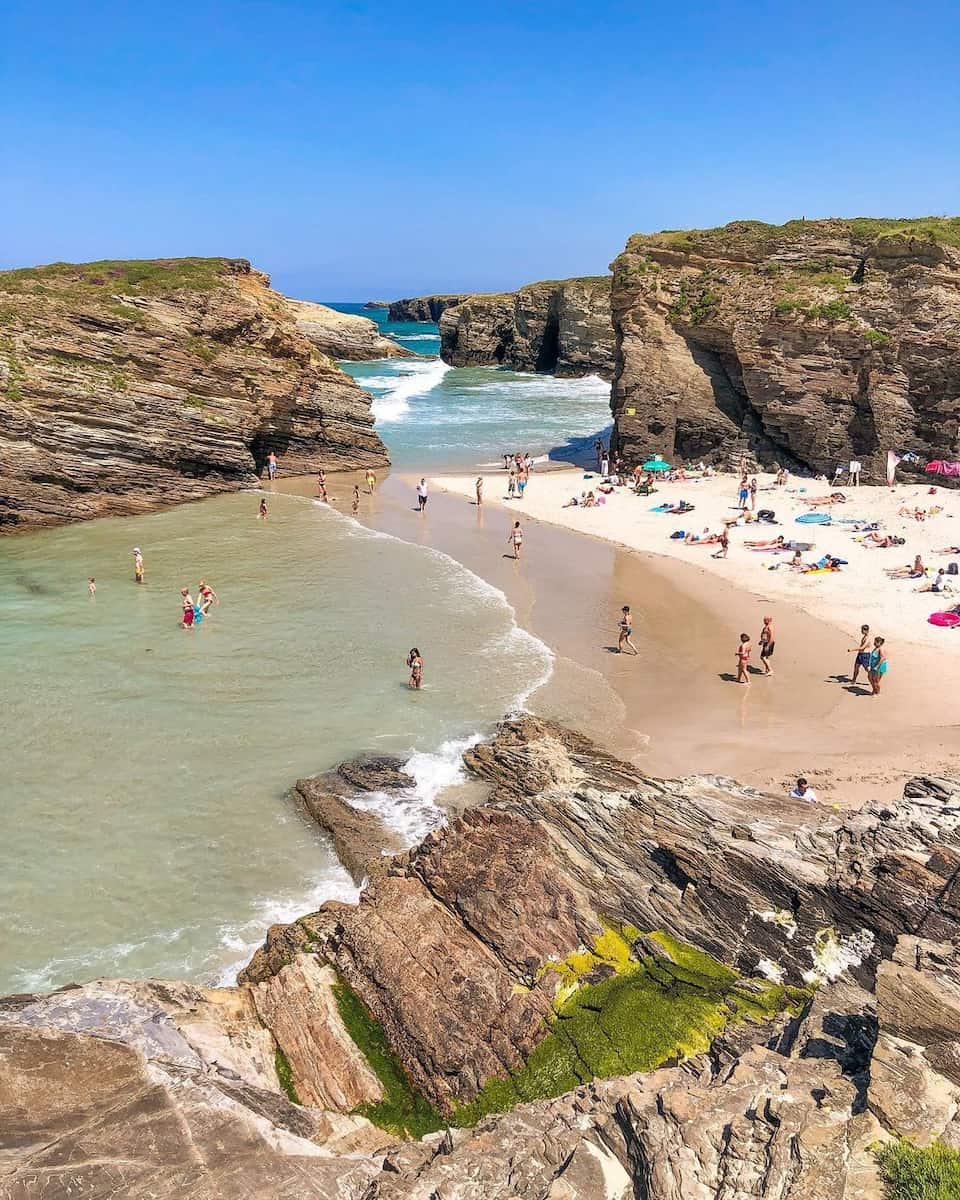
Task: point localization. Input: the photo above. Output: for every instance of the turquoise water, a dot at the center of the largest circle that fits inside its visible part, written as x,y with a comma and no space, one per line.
145,826
145,823
431,415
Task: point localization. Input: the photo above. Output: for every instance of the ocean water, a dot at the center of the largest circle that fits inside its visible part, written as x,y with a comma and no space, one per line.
146,827
431,415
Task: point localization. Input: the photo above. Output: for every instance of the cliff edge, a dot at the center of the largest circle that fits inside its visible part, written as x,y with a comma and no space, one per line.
125,386
808,343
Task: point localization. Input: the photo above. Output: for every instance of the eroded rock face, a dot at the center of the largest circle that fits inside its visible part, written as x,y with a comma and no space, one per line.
344,335
150,384
562,327
811,343
421,308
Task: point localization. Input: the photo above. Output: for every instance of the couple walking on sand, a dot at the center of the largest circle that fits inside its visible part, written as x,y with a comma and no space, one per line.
768,644
871,658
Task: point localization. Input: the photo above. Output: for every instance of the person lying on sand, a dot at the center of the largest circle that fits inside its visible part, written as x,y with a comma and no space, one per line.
939,583
701,539
776,543
917,571
827,563
833,498
575,501
949,550
879,541
920,514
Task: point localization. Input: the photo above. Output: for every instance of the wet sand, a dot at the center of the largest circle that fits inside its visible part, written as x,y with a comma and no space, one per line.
675,709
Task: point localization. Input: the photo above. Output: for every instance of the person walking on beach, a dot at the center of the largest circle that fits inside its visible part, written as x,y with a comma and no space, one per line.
878,664
138,568
92,587
600,450
723,542
521,483
479,491
322,484
862,661
768,643
262,513
422,494
744,651
356,499
371,482
511,486
626,631
415,663
515,538
271,465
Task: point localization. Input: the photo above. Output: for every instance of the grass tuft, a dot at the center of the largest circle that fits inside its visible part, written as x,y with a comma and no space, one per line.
919,1173
285,1076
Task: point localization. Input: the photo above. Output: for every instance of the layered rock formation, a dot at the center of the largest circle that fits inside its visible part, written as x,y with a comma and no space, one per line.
422,308
129,385
810,343
344,335
560,326
502,968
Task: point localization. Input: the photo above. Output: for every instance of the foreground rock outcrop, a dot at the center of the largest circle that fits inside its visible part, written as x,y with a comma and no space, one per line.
560,326
126,386
595,986
810,343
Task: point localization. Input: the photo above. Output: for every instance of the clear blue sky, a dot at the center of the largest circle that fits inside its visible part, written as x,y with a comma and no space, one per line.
356,149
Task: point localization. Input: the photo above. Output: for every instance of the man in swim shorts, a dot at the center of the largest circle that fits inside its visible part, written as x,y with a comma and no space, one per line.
768,643
137,564
862,661
626,631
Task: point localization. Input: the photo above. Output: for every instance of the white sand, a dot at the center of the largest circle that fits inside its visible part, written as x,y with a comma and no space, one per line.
861,593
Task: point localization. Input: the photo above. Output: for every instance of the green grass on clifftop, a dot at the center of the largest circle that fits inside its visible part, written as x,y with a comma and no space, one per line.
945,230
143,277
914,1173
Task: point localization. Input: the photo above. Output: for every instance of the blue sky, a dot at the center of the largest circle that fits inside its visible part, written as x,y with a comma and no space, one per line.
357,149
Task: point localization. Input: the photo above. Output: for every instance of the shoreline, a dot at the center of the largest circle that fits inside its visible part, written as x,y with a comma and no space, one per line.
686,718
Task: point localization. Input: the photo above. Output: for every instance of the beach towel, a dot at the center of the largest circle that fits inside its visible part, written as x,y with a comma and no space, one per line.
662,508
946,619
813,518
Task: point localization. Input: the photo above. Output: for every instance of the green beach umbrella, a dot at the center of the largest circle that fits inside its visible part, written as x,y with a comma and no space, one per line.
656,464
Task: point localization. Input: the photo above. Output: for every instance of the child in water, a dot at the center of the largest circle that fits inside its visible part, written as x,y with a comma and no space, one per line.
262,514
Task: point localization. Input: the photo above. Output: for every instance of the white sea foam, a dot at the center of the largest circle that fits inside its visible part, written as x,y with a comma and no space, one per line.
415,337
417,379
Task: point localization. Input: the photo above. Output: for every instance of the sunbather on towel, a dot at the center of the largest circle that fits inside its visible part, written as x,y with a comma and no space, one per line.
774,544
917,571
701,539
833,498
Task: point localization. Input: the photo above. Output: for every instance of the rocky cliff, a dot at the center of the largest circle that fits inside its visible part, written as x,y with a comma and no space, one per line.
595,986
343,335
809,343
125,386
421,308
561,326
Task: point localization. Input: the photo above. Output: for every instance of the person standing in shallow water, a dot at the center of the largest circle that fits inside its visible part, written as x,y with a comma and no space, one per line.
422,494
92,587
262,514
626,631
186,618
479,491
415,663
138,568
356,499
371,482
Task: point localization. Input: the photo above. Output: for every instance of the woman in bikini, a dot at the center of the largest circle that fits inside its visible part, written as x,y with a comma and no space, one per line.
744,651
515,538
878,664
415,663
626,631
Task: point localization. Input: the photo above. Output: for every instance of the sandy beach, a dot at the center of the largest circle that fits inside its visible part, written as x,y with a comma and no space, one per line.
675,708
859,593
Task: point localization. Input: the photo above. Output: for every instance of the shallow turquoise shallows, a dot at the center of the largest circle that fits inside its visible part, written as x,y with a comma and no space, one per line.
145,826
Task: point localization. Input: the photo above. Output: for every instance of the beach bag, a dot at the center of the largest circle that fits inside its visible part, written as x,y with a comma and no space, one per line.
766,514
951,568
678,534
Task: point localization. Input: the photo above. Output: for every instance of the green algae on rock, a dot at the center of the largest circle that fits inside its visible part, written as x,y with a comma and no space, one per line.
630,1004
